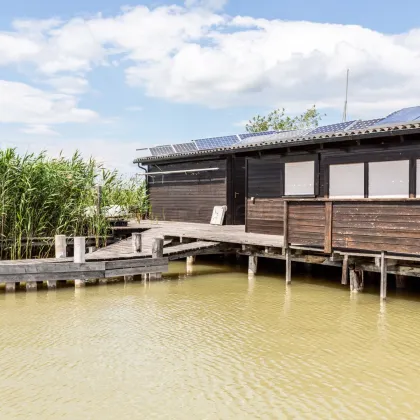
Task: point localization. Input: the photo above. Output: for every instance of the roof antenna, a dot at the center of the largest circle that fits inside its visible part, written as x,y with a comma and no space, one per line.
345,102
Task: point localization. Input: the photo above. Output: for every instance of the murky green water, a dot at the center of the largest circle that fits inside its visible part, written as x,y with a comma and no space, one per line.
209,346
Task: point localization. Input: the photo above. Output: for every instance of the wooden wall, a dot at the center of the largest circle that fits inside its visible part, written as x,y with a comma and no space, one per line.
377,226
306,223
374,225
264,209
187,197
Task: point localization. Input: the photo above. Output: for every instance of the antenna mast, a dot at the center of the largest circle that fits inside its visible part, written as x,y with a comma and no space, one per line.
347,92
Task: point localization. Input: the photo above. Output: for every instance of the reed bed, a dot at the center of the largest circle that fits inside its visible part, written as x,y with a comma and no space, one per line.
42,197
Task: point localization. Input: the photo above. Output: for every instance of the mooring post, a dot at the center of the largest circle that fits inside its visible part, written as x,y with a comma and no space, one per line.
288,266
136,242
252,265
345,270
157,252
79,256
60,246
356,280
383,276
31,286
10,287
191,260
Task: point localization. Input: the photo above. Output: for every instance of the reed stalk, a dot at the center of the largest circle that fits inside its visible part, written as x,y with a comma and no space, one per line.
43,197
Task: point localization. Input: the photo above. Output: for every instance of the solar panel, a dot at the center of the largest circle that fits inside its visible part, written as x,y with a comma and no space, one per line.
361,124
402,115
162,150
277,136
262,133
332,128
185,147
216,142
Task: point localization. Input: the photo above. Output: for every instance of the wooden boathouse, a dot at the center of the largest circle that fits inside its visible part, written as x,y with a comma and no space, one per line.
349,191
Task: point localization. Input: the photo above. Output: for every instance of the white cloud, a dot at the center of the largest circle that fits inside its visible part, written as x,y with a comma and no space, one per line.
21,103
207,4
71,85
39,129
134,108
196,55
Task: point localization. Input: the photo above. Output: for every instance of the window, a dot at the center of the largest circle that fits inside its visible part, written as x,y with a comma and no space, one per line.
389,179
299,178
347,181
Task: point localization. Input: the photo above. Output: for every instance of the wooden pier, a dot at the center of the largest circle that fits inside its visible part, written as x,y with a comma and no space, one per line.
153,244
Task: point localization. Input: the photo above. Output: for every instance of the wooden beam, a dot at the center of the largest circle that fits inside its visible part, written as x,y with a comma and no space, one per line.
328,227
383,276
155,270
286,225
345,270
288,266
252,264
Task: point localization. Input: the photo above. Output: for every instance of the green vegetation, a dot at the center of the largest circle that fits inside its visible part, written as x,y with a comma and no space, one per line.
42,197
276,120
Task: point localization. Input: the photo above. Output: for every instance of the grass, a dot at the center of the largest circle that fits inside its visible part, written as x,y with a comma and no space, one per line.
43,197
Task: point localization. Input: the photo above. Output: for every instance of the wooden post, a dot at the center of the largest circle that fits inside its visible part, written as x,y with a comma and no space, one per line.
157,252
328,228
191,260
345,270
60,243
252,265
136,242
400,281
31,286
288,266
60,246
79,256
356,280
98,199
383,276
285,225
10,287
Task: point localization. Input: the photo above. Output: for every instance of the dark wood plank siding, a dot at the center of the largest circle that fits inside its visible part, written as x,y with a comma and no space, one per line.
264,191
238,191
307,224
265,216
187,197
377,226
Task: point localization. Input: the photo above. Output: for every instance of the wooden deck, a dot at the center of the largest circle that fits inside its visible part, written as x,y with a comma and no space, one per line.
207,237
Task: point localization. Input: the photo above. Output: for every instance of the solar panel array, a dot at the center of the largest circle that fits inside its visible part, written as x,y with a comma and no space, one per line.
185,147
401,116
262,133
361,124
216,142
162,150
332,128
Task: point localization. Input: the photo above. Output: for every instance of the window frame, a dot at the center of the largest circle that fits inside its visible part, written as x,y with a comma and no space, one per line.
301,159
373,158
348,197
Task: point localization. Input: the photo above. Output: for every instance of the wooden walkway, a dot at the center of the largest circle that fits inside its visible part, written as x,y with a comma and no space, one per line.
209,239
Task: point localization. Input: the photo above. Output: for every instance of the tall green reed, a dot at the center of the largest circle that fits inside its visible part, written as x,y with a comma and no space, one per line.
42,197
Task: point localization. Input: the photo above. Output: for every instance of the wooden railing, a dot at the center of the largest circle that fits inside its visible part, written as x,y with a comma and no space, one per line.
390,225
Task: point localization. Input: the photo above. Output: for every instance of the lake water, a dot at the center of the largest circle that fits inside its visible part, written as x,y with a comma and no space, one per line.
211,345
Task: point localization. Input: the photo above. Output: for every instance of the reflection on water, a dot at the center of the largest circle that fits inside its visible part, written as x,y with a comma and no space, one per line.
215,344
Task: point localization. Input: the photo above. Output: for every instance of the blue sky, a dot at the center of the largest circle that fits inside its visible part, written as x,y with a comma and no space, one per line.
107,77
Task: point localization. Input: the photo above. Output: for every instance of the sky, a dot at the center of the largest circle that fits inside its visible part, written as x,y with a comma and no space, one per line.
109,77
